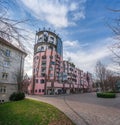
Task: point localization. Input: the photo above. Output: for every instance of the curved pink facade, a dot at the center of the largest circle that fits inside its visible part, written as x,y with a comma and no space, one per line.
52,75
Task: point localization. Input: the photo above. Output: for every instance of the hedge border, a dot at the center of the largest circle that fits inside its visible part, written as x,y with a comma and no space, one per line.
106,95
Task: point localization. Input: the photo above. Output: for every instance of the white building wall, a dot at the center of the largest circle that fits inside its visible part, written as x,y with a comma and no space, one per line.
15,64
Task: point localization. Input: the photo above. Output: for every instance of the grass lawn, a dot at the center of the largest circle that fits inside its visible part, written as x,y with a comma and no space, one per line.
30,112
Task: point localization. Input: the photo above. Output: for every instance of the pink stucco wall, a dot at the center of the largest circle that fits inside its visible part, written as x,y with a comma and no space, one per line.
47,71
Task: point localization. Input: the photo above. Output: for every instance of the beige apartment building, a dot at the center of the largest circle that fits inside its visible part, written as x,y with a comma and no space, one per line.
11,66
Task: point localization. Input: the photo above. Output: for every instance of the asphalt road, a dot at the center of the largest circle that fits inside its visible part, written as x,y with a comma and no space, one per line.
86,108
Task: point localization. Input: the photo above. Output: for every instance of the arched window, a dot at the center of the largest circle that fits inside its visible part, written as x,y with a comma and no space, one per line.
45,36
52,40
42,48
39,48
39,39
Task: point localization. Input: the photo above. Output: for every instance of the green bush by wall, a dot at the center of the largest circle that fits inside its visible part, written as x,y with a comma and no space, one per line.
17,96
106,95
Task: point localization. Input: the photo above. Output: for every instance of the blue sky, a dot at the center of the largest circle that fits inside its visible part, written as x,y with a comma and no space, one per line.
82,25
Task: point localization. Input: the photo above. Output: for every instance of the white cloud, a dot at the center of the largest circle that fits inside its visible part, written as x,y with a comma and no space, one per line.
29,59
28,43
79,15
73,6
68,45
56,12
86,59
28,65
83,59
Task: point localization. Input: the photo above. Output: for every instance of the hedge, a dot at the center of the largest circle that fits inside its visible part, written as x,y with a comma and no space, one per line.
17,96
106,95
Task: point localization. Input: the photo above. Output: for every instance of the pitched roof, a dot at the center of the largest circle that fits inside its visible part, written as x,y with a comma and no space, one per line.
11,45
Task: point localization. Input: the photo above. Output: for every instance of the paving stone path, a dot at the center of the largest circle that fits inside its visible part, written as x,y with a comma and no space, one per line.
86,109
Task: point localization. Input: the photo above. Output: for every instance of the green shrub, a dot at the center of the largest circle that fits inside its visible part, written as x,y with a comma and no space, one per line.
17,96
106,95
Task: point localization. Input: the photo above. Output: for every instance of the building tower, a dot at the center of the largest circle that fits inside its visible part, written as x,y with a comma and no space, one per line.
47,62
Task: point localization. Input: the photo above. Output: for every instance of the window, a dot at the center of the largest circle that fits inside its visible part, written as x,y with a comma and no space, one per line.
51,39
71,69
51,57
45,36
4,75
39,90
39,39
51,68
42,74
43,70
36,90
59,46
1,101
2,89
7,53
44,57
52,63
39,48
6,63
42,48
50,47
42,81
36,81
42,90
43,62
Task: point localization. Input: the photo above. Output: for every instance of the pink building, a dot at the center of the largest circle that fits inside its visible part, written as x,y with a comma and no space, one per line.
78,80
52,75
47,63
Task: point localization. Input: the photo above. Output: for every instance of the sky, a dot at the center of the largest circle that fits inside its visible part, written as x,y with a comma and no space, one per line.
81,24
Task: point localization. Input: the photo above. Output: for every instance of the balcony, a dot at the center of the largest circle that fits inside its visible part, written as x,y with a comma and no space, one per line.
44,57
43,74
43,71
43,65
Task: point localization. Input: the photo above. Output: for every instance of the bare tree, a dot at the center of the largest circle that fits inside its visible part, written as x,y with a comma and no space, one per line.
111,79
114,25
10,28
19,76
25,83
105,78
100,74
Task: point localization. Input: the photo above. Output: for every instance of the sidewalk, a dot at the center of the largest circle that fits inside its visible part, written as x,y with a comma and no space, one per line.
61,105
85,109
